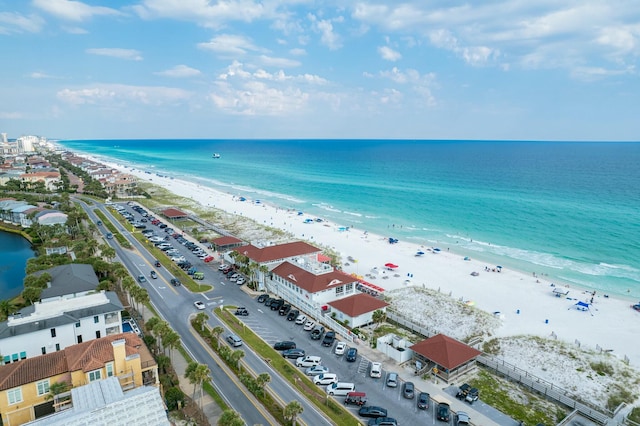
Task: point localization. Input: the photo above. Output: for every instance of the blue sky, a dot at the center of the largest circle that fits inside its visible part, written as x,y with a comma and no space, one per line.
509,69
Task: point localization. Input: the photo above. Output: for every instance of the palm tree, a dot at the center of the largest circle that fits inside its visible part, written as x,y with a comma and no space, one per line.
163,362
230,418
379,316
107,252
197,374
264,270
200,320
6,307
171,341
236,356
128,284
151,323
56,389
160,330
142,296
292,411
216,332
120,272
262,380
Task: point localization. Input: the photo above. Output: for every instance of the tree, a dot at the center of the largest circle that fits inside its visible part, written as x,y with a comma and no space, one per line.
230,418
151,323
197,374
56,389
216,332
200,320
163,362
107,251
174,397
31,294
6,307
292,411
236,356
379,316
171,341
262,380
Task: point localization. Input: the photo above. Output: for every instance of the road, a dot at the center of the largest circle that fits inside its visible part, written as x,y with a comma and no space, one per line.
175,305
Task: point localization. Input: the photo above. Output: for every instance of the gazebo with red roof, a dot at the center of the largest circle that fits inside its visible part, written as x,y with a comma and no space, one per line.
174,214
226,243
446,357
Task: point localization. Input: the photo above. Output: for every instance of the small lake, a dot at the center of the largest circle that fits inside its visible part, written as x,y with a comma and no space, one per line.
14,253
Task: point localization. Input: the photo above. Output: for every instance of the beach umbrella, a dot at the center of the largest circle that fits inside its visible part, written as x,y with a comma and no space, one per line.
420,253
391,265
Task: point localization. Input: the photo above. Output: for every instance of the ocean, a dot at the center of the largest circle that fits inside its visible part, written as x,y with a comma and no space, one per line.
570,210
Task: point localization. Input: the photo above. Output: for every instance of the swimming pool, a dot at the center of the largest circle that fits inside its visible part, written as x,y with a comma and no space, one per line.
129,326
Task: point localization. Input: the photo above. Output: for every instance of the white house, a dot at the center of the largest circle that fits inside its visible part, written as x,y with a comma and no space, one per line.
357,309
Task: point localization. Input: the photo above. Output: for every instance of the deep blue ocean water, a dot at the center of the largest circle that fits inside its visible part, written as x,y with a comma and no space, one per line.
570,210
14,252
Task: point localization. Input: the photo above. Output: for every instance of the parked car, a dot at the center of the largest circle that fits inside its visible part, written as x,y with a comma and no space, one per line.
467,393
329,338
356,398
277,304
443,412
372,411
423,400
325,379
301,319
241,311
352,354
317,332
376,370
308,326
293,314
284,309
293,353
462,419
308,361
315,370
281,346
392,380
408,390
199,305
262,298
340,348
383,421
241,281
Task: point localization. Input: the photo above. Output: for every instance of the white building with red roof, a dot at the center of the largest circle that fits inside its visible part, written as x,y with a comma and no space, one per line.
357,309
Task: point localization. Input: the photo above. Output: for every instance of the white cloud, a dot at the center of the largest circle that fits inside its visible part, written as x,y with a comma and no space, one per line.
389,54
298,52
129,54
473,55
327,35
278,62
11,23
75,30
420,84
180,71
11,115
120,95
236,70
230,44
40,75
74,10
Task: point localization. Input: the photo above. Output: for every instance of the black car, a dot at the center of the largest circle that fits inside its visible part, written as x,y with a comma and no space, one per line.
317,333
329,338
158,264
408,390
293,353
281,346
383,421
175,282
275,306
293,314
443,412
269,301
263,298
352,354
242,312
284,309
423,400
372,411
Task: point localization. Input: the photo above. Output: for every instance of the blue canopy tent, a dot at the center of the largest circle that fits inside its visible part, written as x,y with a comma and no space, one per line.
583,306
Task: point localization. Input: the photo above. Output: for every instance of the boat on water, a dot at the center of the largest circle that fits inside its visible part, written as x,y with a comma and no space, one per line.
216,155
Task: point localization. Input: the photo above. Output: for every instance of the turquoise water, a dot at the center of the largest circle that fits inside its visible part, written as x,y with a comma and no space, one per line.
14,252
569,210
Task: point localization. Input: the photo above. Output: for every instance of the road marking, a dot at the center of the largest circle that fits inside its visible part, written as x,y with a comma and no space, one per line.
260,310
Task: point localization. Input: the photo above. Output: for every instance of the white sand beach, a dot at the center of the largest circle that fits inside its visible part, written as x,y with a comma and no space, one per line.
517,303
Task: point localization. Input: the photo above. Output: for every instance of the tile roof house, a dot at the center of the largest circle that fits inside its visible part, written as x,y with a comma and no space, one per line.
448,356
24,385
357,309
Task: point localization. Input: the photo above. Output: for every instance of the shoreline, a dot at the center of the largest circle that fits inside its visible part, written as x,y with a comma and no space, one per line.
524,303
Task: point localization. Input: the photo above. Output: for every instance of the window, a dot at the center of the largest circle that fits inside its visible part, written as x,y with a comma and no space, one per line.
98,334
14,357
79,338
43,387
78,324
339,290
109,368
57,346
44,350
96,319
349,288
23,355
94,375
7,359
53,332
14,395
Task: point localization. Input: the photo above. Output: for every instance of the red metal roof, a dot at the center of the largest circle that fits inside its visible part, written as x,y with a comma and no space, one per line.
172,213
445,351
280,251
358,304
310,282
225,241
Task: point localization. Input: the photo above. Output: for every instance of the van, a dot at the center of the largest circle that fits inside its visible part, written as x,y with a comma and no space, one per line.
308,361
356,398
234,340
340,388
392,380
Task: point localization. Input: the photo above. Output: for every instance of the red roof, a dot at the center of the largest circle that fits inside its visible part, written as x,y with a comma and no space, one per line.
225,241
310,282
173,213
323,259
280,251
358,304
445,351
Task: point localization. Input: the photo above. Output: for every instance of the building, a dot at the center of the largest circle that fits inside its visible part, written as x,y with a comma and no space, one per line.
24,385
50,180
226,243
445,357
51,217
357,309
104,402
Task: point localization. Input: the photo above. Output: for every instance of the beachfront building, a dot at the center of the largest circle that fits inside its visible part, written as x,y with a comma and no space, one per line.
357,309
17,213
268,257
24,385
226,243
50,180
120,184
444,357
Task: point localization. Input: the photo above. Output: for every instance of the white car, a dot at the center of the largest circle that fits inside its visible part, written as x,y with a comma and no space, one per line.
302,318
308,326
340,348
376,370
316,369
199,305
240,281
178,259
325,379
234,277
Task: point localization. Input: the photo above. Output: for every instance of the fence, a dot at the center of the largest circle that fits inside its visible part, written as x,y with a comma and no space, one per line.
598,414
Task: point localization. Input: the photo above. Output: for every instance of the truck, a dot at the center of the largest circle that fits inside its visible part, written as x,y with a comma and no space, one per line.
467,393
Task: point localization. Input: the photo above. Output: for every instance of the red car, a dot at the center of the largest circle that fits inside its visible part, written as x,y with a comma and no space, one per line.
208,259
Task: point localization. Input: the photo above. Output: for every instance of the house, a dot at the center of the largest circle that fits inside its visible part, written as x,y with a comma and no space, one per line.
226,243
357,309
105,400
174,214
57,322
51,217
51,180
24,385
445,357
69,281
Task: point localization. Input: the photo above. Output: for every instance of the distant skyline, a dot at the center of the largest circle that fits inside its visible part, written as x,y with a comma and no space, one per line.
503,70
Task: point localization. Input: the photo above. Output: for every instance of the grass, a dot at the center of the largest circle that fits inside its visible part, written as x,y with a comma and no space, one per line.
208,387
335,411
117,235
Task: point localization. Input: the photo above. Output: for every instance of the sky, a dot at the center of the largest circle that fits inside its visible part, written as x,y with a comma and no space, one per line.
284,69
